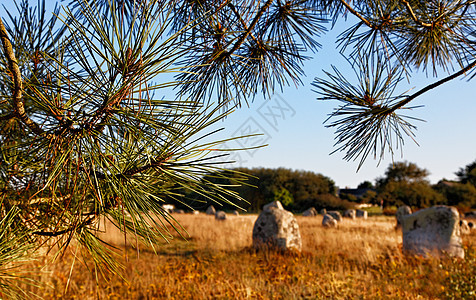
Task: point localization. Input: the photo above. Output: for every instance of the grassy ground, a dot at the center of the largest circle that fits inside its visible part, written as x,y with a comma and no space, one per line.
359,260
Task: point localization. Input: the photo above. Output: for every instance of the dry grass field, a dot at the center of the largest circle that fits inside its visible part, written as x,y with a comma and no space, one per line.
361,259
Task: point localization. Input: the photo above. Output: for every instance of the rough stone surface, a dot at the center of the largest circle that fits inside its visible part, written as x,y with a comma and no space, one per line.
220,215
310,212
350,213
470,215
329,221
361,214
168,208
336,215
323,211
464,227
433,232
277,228
402,211
211,210
274,204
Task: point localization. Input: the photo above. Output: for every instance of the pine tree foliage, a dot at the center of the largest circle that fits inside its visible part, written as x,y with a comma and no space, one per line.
390,41
88,129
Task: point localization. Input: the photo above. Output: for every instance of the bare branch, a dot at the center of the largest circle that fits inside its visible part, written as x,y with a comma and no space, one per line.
432,86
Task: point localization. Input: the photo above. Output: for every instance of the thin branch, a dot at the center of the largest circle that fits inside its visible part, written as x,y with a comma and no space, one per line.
61,232
432,86
17,82
414,17
355,13
242,39
7,116
243,23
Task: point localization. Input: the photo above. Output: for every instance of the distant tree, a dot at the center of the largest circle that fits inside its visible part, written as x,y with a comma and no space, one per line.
405,183
403,172
370,197
458,194
415,194
468,174
365,185
284,196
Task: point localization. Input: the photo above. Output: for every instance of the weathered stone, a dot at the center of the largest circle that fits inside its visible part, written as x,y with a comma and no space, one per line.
336,215
276,228
323,211
350,213
402,211
310,212
470,215
211,210
433,232
274,204
361,214
464,227
168,208
329,221
220,215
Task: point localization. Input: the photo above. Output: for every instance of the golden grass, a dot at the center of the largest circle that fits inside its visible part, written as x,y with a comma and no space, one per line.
359,260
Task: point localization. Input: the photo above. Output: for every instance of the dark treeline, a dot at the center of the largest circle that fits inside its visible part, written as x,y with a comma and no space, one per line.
403,183
297,190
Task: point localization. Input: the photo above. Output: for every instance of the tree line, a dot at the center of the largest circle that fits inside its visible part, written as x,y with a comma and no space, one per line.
403,183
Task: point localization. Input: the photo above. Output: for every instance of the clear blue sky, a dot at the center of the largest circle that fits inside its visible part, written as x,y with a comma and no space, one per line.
297,138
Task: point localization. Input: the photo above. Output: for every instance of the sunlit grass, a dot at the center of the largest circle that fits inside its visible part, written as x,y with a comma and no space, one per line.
359,260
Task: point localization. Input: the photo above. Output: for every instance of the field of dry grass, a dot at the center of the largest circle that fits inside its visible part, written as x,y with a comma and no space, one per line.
359,260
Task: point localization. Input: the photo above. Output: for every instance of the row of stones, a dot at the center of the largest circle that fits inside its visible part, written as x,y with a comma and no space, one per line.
434,231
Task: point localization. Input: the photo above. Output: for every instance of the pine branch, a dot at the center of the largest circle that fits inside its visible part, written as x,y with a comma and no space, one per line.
242,39
17,82
432,86
355,13
414,17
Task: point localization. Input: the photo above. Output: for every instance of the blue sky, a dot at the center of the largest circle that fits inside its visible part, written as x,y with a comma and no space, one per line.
292,126
298,139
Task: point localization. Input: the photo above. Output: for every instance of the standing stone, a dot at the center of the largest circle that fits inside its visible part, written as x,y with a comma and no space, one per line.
470,225
402,211
350,213
470,215
464,227
336,215
361,214
310,212
220,215
433,231
276,228
323,211
211,210
274,204
329,221
168,208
